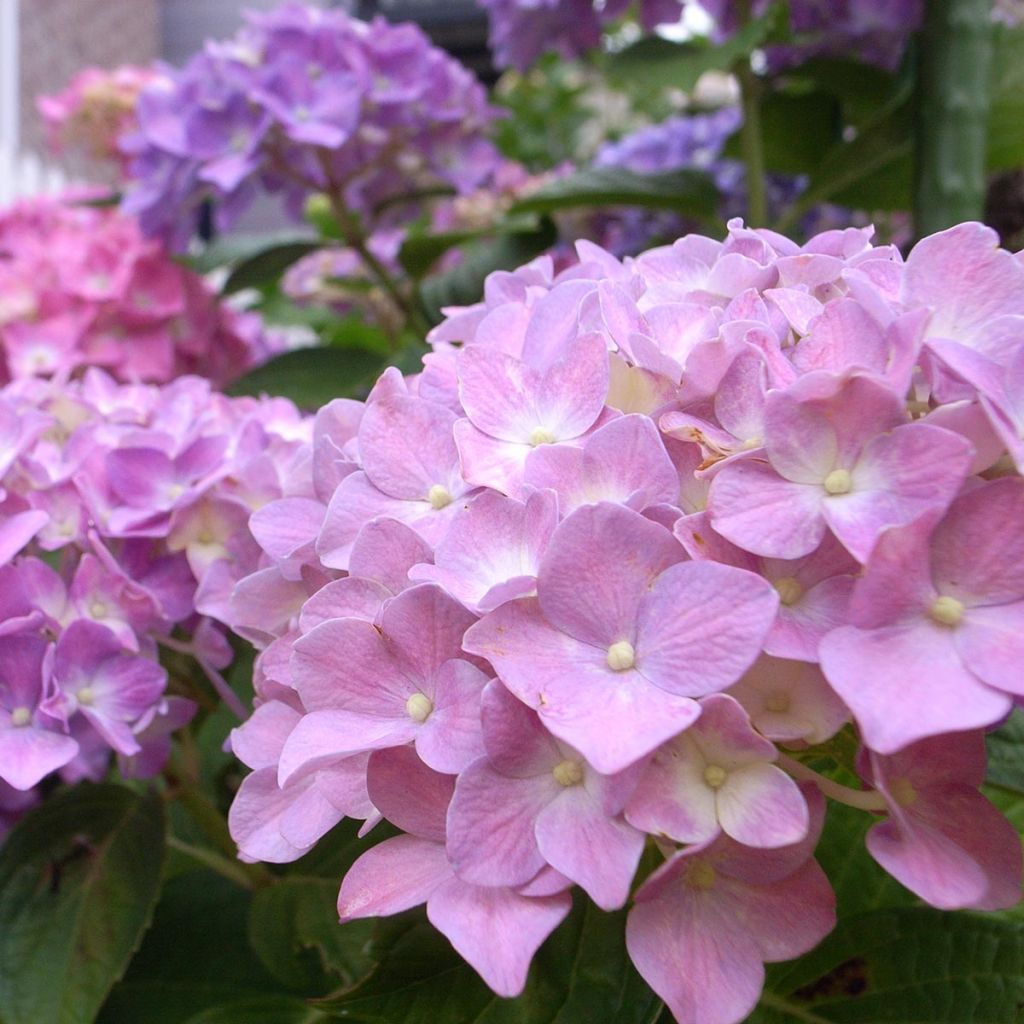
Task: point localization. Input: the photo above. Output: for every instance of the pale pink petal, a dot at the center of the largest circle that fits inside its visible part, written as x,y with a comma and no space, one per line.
760,805
601,561
701,627
597,852
904,683
496,929
755,508
393,876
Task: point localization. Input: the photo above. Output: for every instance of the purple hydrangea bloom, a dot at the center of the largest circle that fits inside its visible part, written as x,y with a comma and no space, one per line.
301,101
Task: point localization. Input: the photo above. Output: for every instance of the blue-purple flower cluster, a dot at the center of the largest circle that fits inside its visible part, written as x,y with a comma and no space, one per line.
874,31
301,101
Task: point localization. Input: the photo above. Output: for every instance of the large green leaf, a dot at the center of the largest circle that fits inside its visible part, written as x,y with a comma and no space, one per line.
293,926
689,192
465,283
265,1010
311,377
870,171
656,63
79,878
267,265
420,252
859,882
912,965
194,956
581,975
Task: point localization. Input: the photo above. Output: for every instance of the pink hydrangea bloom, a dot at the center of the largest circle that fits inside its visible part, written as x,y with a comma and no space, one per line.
95,109
123,529
80,286
642,536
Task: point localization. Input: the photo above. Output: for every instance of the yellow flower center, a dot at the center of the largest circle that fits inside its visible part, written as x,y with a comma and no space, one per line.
715,776
839,481
789,590
439,497
541,435
946,611
419,707
701,876
20,717
568,773
621,656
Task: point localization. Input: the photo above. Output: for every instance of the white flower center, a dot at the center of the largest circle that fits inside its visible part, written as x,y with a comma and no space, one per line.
439,497
621,656
568,773
419,707
946,611
839,481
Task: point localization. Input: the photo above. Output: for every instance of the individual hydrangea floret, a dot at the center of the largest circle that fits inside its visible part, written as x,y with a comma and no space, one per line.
645,544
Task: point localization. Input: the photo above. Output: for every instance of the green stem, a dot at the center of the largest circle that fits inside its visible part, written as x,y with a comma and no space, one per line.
354,238
774,1002
752,133
233,870
863,799
182,787
954,94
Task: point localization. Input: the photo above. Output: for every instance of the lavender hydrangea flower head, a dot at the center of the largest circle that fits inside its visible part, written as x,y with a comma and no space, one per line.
123,528
300,101
641,538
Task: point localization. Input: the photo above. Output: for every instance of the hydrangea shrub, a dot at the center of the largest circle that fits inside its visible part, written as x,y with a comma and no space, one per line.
642,539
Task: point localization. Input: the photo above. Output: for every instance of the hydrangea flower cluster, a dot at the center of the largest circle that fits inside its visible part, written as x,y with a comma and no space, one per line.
301,101
640,538
875,31
123,514
521,30
95,109
80,286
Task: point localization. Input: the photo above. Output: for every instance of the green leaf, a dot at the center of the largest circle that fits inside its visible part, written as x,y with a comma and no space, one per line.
267,265
79,878
294,929
656,63
912,965
195,955
420,252
798,130
311,377
690,192
1006,754
871,171
859,882
464,284
266,1010
581,974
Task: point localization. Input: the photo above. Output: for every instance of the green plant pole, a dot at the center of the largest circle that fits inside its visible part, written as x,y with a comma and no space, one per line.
954,87
751,138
